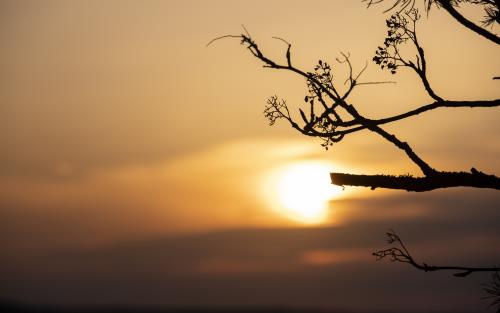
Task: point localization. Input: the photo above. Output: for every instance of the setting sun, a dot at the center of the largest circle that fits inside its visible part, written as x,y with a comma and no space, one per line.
302,191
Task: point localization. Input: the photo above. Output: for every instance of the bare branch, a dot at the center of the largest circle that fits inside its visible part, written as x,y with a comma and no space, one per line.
246,30
402,28
403,4
222,37
438,180
491,9
426,169
400,253
437,105
448,6
327,113
321,81
323,119
288,56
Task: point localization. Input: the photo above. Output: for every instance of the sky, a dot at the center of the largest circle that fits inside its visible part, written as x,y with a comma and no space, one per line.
137,166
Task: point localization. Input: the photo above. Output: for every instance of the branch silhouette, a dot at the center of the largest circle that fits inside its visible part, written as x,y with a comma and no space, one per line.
400,253
438,180
492,13
491,9
328,115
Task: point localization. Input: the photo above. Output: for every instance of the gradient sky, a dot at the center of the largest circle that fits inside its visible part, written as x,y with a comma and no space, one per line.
126,140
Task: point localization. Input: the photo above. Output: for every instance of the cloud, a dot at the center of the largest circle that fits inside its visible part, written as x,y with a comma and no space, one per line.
215,187
300,267
191,229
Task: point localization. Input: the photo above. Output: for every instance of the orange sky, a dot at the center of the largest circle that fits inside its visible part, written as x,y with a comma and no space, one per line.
117,122
96,93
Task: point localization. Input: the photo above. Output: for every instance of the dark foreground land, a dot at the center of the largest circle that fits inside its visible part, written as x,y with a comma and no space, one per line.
22,308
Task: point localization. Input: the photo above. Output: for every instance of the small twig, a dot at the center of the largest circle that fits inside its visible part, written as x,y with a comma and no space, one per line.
246,30
281,39
222,37
288,55
376,83
230,36
362,71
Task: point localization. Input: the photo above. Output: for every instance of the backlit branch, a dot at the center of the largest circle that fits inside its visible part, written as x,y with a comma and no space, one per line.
328,125
327,114
402,28
492,16
399,253
491,10
438,180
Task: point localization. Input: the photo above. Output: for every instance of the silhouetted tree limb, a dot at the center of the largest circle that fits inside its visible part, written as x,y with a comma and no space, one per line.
409,183
328,114
449,7
417,111
330,117
439,104
490,7
402,28
321,86
400,253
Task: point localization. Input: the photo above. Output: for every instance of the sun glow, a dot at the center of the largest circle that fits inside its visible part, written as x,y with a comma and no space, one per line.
302,191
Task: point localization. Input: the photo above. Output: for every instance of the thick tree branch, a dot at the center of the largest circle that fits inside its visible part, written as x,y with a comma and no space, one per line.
438,180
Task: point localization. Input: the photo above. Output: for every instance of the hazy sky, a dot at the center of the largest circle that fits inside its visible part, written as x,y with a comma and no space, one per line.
118,125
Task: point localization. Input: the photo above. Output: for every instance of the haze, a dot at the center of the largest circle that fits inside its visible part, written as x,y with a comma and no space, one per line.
125,140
